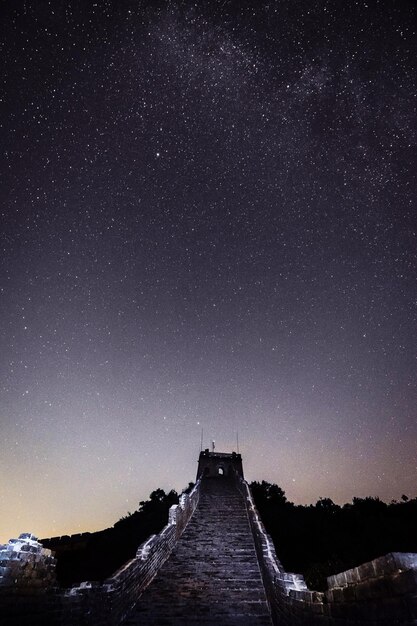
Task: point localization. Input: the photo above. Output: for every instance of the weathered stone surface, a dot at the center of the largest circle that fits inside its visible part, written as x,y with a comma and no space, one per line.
24,562
212,576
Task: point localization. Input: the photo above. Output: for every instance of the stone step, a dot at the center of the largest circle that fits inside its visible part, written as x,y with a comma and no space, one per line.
212,575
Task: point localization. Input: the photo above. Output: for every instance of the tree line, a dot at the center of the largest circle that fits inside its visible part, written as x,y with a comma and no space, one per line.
105,551
324,539
314,540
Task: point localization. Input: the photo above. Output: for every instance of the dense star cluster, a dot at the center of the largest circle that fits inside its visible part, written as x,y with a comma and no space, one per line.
208,222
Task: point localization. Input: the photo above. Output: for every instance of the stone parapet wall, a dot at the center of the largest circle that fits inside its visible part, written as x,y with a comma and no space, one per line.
180,514
278,583
66,542
383,591
24,562
93,604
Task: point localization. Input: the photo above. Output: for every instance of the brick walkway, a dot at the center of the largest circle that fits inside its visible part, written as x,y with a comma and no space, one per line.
212,575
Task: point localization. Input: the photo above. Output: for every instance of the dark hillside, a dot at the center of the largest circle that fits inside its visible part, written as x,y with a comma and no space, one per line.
316,540
325,538
103,552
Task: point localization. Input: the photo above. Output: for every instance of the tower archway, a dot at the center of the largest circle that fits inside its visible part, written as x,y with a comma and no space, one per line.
215,464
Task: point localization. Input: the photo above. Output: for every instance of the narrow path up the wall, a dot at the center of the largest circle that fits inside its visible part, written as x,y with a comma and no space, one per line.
212,575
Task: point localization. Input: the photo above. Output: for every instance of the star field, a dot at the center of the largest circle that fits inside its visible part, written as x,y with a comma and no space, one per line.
208,222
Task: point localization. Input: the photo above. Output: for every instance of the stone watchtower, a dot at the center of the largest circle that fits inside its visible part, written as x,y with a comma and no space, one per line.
215,464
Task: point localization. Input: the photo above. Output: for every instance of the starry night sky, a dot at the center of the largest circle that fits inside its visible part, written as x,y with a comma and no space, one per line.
208,221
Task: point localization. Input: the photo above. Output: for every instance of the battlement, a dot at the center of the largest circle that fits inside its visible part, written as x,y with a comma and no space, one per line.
213,563
214,464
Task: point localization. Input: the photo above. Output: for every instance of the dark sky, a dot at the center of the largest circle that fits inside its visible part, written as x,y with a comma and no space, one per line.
208,221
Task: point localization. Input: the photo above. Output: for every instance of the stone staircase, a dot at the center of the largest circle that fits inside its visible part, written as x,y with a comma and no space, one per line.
212,575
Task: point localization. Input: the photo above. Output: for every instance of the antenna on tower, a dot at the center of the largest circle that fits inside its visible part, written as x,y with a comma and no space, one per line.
201,441
212,446
237,441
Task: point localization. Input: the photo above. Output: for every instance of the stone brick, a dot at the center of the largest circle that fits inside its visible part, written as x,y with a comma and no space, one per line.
366,570
405,560
373,588
392,610
352,576
385,565
212,575
337,580
404,582
349,593
411,603
219,572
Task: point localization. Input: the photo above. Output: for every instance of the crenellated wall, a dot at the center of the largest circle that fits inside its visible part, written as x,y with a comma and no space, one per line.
23,602
25,563
383,591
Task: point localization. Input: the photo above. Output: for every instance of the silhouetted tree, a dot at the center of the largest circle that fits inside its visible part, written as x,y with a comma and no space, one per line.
105,551
316,541
325,539
268,492
369,505
327,505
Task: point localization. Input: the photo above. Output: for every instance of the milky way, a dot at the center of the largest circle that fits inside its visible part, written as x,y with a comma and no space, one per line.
208,222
